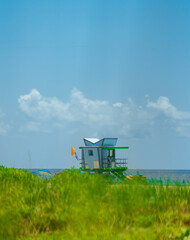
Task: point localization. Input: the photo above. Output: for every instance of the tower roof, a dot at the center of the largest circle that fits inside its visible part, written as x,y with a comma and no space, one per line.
92,140
100,142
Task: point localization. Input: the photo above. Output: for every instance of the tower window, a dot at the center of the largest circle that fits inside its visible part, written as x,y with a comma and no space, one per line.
90,152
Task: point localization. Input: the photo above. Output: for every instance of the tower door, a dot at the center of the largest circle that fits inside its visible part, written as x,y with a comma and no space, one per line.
96,164
111,158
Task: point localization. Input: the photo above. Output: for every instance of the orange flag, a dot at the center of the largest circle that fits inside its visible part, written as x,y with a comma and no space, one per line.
72,151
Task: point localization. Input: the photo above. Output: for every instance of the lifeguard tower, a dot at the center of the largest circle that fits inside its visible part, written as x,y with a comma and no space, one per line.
99,156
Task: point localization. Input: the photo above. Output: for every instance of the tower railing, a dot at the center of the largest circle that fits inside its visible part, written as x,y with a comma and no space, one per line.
117,162
121,162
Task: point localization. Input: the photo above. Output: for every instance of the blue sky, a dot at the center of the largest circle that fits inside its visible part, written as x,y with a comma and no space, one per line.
75,69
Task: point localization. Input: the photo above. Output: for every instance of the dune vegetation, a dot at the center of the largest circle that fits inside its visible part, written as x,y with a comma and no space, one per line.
72,205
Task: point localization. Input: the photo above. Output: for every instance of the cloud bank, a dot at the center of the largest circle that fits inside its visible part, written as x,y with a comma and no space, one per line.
121,119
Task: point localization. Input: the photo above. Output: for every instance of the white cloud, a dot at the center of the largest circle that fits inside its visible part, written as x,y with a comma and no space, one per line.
87,110
38,107
163,104
118,104
121,119
132,120
180,118
78,109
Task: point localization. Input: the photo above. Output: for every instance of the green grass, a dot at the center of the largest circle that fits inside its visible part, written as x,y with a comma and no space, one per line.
81,206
